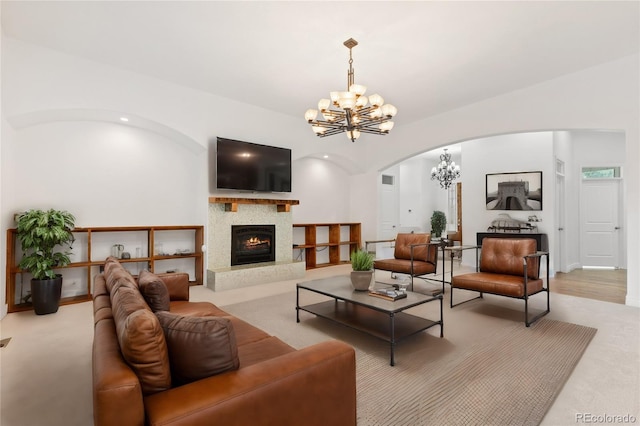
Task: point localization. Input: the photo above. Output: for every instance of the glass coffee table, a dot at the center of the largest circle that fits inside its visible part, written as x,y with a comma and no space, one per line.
380,318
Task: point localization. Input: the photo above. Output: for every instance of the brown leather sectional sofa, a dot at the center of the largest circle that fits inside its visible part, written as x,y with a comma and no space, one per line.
147,366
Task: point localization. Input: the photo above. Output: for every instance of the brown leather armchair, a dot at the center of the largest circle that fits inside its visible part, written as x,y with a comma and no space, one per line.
510,268
414,255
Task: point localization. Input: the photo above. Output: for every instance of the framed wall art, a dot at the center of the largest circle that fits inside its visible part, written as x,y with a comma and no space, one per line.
514,191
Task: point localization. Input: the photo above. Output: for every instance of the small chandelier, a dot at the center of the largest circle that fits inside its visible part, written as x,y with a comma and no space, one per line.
351,111
446,171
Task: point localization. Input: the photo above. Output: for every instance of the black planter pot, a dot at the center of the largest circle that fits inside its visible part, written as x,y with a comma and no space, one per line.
45,295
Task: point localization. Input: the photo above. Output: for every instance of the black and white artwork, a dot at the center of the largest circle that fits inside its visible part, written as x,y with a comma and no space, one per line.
514,191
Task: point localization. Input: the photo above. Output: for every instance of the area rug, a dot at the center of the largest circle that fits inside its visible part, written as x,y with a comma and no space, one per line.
487,370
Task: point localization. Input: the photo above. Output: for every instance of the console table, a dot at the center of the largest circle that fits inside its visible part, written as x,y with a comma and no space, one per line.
542,241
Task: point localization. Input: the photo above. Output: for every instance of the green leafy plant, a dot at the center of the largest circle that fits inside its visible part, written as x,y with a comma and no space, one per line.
40,232
438,223
361,260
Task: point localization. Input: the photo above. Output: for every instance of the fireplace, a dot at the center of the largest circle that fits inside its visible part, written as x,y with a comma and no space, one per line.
253,244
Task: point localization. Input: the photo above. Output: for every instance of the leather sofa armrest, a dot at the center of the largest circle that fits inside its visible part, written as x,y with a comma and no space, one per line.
177,283
312,386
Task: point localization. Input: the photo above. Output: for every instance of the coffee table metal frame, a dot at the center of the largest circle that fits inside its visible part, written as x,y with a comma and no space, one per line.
380,318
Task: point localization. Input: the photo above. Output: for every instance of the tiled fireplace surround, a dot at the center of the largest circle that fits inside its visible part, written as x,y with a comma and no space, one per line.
220,274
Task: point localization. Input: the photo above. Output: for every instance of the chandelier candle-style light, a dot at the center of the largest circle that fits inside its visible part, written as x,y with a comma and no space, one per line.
446,171
351,111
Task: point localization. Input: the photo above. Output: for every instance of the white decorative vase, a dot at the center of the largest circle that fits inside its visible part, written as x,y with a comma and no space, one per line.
361,280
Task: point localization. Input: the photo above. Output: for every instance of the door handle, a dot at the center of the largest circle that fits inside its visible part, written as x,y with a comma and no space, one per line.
560,229
616,228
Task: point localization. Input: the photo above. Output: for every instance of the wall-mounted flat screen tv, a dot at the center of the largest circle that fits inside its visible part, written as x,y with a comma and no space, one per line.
246,166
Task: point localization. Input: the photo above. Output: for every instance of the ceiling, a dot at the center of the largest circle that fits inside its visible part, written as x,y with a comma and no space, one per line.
424,57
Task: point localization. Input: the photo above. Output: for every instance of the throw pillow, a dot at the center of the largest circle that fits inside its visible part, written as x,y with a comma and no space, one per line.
198,347
154,291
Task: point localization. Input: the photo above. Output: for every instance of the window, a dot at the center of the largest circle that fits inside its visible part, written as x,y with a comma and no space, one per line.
600,172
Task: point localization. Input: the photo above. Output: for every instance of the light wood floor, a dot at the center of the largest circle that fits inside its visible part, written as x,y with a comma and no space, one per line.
604,285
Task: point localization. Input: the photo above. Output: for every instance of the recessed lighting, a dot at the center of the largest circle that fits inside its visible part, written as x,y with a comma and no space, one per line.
125,119
325,156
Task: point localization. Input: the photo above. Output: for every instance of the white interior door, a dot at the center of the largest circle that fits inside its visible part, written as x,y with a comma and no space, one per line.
600,230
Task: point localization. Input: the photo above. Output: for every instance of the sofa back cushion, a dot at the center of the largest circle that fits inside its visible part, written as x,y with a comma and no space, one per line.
154,291
141,340
115,275
505,256
198,347
403,247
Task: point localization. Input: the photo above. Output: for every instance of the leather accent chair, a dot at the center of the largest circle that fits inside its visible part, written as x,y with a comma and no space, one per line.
510,268
414,255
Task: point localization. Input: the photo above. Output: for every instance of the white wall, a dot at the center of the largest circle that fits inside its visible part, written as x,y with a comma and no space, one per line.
501,154
329,185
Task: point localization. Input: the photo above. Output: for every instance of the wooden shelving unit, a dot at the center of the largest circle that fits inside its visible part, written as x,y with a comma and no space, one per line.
335,243
92,247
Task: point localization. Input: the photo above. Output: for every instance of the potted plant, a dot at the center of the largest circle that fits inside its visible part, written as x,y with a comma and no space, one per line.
438,223
39,233
362,265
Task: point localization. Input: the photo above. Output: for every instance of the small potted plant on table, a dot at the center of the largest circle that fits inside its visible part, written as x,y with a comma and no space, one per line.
362,265
39,233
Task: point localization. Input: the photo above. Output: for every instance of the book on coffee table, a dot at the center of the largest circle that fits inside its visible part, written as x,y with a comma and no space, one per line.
388,294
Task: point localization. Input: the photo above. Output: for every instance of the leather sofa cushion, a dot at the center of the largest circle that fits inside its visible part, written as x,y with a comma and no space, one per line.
505,256
507,285
404,266
403,249
262,350
154,291
143,346
115,275
196,309
141,340
245,332
198,347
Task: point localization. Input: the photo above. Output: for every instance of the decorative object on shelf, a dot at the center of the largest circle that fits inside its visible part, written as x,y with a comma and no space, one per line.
117,250
438,223
514,191
351,111
505,223
446,171
40,232
362,265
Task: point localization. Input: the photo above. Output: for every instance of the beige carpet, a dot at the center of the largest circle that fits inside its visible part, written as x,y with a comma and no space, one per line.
489,369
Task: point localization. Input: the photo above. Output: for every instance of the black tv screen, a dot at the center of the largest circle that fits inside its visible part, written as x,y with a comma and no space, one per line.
248,166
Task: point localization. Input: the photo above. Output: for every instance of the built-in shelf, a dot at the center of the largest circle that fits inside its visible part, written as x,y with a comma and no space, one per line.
339,247
231,204
157,253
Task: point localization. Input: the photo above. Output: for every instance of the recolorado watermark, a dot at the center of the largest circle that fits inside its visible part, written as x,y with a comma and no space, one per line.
605,418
